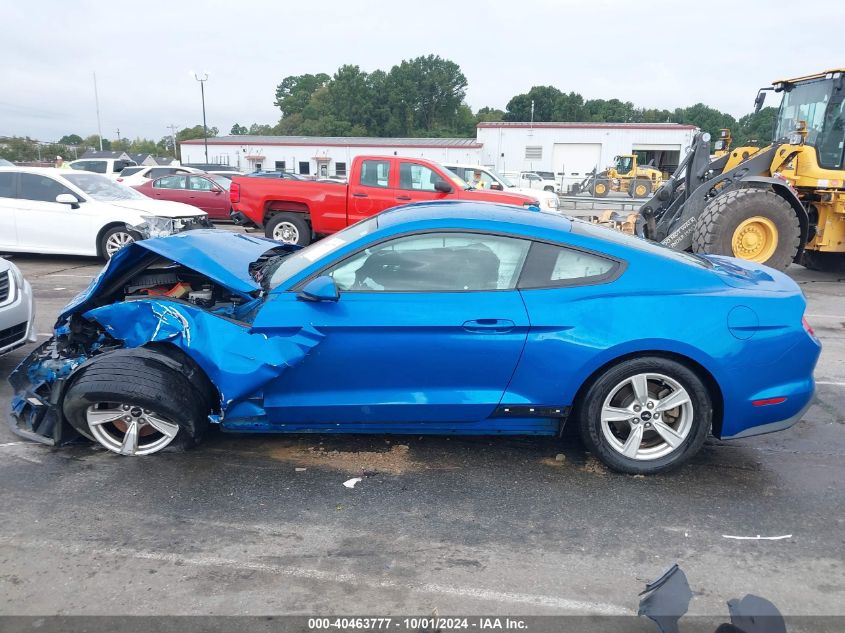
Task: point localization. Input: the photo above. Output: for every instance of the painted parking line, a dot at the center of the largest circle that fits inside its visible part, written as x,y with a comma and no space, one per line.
830,383
487,595
825,316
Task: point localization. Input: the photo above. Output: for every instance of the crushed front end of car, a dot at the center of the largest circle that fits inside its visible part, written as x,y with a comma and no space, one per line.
188,299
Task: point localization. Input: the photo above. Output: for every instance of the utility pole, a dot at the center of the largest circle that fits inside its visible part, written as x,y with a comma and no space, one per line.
173,129
532,113
202,78
97,102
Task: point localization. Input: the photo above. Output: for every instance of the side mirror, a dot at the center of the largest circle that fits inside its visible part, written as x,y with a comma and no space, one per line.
496,186
442,186
67,198
322,288
759,101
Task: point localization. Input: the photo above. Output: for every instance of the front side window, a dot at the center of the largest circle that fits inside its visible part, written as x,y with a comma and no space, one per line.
41,188
375,173
97,166
434,262
197,183
171,182
417,177
624,164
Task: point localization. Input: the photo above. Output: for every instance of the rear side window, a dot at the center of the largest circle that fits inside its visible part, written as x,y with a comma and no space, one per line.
97,166
171,182
375,173
7,185
129,171
553,266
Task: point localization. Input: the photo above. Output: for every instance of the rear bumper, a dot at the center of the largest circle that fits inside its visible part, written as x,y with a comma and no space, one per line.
772,427
241,219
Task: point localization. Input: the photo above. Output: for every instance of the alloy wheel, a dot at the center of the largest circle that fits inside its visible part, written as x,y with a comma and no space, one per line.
129,429
118,240
647,416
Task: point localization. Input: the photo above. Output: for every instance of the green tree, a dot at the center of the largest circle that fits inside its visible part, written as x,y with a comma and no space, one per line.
189,133
755,129
489,114
294,92
707,118
238,130
71,139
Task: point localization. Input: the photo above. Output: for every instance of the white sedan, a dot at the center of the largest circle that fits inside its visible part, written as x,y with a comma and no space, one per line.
61,211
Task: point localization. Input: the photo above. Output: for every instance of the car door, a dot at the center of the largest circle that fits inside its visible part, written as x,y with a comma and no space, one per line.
372,192
205,194
428,328
47,226
173,188
8,204
417,183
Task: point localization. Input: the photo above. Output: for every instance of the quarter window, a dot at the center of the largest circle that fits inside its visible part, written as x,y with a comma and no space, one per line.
7,185
41,188
435,262
550,266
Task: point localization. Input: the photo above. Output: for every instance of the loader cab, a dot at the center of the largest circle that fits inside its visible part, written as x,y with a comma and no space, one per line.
817,102
625,164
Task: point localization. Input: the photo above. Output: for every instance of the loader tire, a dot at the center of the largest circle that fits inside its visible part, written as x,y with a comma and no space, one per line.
824,262
752,224
639,188
601,188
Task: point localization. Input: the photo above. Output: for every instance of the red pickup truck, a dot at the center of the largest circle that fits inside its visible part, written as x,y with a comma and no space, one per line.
294,211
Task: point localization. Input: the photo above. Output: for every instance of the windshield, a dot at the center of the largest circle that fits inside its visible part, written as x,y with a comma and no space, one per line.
502,179
102,188
623,164
290,265
804,102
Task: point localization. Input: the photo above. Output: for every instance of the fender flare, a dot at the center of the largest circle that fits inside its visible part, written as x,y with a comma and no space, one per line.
787,193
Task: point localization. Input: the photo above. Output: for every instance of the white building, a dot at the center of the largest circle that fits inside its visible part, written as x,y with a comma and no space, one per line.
574,149
322,156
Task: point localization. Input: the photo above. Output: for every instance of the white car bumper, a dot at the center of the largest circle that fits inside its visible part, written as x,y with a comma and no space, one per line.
17,315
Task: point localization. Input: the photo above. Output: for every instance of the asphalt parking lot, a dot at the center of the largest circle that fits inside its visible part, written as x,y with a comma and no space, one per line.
264,525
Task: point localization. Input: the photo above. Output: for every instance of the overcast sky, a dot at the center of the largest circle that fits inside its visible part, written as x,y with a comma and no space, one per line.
660,54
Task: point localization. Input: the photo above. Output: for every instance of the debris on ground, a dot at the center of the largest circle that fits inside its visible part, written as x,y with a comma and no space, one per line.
395,460
758,537
300,470
350,483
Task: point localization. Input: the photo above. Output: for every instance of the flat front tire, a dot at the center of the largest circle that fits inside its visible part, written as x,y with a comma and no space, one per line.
645,416
135,405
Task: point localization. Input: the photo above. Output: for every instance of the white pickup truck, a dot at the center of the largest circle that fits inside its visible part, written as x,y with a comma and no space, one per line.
490,179
533,180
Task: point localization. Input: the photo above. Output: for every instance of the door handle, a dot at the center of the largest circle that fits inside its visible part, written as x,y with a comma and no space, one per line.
489,325
403,197
359,194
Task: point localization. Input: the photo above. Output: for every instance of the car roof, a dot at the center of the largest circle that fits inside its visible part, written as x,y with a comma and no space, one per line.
47,171
448,213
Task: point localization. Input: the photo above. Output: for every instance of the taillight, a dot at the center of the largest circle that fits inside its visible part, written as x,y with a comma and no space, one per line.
234,193
120,180
807,327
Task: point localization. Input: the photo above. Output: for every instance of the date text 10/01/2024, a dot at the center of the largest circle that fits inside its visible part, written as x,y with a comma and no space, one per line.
416,623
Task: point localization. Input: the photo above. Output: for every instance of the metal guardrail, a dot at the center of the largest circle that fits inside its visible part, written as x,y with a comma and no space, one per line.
589,205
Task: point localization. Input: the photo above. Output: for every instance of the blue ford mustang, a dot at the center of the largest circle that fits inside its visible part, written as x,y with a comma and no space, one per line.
463,318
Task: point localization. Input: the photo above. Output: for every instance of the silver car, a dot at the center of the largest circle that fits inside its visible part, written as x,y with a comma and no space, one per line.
17,308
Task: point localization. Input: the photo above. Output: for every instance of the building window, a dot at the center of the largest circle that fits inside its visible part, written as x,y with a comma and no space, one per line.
533,152
304,168
280,165
340,169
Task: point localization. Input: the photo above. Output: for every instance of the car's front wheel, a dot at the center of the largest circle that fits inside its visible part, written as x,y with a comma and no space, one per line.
114,239
135,405
645,415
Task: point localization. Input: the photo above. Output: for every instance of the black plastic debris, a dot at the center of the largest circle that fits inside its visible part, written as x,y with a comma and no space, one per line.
666,600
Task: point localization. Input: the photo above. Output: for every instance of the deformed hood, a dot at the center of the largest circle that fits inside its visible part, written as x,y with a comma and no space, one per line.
221,255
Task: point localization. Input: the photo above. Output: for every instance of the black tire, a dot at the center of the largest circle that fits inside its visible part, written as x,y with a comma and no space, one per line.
123,376
297,220
102,245
715,228
600,188
588,414
552,189
824,262
639,183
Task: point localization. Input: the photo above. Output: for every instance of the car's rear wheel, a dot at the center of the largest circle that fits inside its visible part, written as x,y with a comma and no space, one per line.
288,228
114,239
135,405
646,415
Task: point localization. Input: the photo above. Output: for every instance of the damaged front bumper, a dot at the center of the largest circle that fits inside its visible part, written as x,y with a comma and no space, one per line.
38,383
155,226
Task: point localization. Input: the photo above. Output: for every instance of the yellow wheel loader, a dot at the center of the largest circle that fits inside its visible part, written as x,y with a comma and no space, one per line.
774,205
625,176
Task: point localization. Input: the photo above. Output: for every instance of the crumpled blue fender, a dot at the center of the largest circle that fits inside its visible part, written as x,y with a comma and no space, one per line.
237,361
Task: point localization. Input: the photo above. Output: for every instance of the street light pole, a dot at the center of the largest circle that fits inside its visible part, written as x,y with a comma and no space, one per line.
202,78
